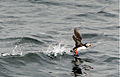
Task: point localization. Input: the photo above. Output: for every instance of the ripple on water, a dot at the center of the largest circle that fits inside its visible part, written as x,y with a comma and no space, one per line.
23,40
90,35
44,22
106,14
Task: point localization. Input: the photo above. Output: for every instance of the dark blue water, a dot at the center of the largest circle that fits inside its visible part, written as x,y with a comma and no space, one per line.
30,30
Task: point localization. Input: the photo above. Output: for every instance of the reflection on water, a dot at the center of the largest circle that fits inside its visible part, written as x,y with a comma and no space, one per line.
34,25
79,67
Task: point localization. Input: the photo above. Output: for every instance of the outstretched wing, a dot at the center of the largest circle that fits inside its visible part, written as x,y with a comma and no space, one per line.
75,39
78,36
77,42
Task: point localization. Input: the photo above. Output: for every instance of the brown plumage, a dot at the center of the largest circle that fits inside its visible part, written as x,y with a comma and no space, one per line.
77,34
77,38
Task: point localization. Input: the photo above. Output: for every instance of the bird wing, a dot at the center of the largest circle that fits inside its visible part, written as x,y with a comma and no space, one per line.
77,42
78,36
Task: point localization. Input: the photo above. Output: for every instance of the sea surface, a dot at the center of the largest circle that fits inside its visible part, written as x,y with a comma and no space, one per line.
36,37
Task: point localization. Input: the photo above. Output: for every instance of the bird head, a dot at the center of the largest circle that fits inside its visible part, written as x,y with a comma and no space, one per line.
88,45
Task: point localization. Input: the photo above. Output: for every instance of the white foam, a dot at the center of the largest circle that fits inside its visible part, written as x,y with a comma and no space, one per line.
9,54
13,53
56,49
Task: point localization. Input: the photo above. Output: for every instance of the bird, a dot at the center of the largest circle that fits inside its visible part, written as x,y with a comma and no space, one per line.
78,44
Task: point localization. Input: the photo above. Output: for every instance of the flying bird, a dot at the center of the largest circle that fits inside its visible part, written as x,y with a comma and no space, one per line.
78,44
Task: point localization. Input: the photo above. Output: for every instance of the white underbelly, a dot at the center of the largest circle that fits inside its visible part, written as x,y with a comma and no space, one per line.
81,48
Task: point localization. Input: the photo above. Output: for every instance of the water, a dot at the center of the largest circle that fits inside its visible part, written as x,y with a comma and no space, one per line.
30,30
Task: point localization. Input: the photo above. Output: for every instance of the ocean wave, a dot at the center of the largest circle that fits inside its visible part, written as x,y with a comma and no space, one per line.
23,40
112,60
22,60
90,35
111,37
111,27
53,50
108,59
107,14
88,6
44,2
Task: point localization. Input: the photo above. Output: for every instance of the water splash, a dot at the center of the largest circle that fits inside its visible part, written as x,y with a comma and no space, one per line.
52,50
13,53
57,48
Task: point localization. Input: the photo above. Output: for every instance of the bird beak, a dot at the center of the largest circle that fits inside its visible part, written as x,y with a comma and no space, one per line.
90,45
